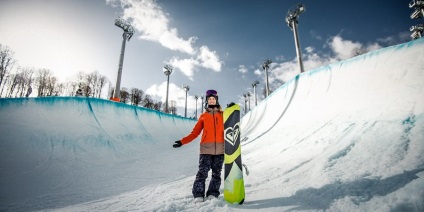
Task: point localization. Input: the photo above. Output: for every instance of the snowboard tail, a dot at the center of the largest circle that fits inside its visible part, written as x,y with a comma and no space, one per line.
233,177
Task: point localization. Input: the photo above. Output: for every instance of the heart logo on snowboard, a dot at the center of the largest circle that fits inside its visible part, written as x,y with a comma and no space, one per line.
232,134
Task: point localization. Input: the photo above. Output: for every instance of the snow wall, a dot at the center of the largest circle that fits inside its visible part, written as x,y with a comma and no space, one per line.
352,129
57,151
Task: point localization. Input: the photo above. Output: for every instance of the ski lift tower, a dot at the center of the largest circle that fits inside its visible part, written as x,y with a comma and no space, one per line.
128,33
417,30
291,20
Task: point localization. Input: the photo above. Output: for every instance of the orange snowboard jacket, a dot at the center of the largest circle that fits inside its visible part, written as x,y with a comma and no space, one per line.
212,124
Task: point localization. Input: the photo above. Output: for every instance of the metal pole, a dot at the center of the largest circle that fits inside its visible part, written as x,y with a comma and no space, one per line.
167,89
296,40
249,100
185,113
245,103
256,99
117,94
196,106
202,103
267,85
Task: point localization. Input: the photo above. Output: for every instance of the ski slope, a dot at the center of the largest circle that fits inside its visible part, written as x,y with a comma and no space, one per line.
344,137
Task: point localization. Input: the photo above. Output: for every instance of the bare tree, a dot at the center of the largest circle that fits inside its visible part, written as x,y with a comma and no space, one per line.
14,80
42,81
359,51
157,105
6,63
125,96
26,80
136,96
51,86
173,107
101,84
70,88
148,102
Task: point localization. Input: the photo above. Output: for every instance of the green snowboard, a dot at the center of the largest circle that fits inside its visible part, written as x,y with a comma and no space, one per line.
233,180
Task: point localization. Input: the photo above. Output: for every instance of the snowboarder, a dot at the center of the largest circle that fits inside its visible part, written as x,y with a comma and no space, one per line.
211,148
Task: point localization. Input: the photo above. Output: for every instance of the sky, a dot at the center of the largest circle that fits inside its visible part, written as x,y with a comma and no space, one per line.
345,137
217,45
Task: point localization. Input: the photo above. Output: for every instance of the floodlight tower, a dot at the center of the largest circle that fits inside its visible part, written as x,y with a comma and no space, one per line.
202,97
248,98
254,84
418,5
186,88
254,91
265,66
291,20
128,33
245,103
417,31
167,70
196,97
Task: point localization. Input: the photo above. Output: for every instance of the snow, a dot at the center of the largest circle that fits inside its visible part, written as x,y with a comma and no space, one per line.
343,137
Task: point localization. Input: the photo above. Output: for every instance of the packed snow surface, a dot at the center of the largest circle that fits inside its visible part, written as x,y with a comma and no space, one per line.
344,137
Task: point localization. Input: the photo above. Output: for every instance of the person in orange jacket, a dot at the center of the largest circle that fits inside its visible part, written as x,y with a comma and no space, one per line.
211,147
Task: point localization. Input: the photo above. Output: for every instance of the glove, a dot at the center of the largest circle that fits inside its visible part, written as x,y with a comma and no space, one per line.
177,144
231,104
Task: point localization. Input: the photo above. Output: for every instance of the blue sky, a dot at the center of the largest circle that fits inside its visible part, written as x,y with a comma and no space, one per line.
211,44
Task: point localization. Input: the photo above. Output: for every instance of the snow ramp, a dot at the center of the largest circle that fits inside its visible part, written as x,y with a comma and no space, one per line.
59,151
352,120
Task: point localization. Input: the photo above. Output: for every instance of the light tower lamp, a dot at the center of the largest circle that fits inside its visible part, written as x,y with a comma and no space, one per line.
417,31
128,33
291,20
418,5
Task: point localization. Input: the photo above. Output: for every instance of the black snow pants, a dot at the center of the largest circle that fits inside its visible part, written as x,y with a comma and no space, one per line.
207,162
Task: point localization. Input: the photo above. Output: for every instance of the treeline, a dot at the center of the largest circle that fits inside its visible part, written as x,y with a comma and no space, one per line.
42,82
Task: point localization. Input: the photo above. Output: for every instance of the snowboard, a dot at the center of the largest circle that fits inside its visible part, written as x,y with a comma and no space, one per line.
233,172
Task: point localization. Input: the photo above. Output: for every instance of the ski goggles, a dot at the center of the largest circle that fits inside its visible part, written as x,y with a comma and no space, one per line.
211,93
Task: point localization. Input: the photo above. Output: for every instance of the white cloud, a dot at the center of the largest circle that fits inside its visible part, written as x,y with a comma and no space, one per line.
340,49
153,23
209,59
186,66
206,59
149,19
373,47
343,49
258,72
176,93
393,40
242,69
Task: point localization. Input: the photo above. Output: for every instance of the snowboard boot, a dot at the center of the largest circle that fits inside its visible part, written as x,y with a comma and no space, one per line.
211,197
198,199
